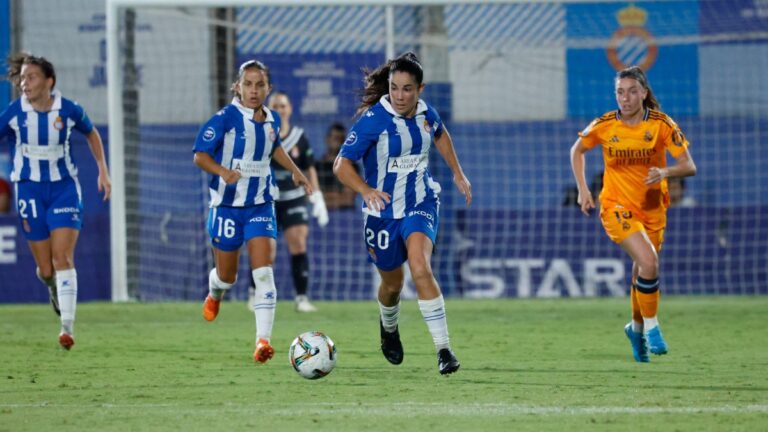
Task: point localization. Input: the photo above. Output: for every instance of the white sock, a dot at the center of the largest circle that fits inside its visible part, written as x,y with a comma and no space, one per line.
216,286
637,326
66,284
265,299
390,315
433,312
650,323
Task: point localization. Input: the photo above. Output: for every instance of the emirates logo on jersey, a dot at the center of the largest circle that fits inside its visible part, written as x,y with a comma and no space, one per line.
58,124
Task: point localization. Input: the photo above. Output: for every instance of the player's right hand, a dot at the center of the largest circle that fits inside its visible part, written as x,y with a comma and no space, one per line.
231,176
586,202
376,200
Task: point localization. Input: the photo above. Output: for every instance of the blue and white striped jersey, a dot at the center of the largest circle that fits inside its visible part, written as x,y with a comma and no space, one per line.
395,153
236,141
41,150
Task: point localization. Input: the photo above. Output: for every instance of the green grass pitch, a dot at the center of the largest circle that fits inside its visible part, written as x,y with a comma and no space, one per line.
533,365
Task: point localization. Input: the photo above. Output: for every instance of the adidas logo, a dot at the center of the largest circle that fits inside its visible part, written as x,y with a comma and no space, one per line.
614,139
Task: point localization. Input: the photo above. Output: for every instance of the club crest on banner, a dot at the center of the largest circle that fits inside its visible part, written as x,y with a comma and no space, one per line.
632,44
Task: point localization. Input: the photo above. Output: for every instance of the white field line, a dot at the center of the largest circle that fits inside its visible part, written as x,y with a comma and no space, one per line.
417,409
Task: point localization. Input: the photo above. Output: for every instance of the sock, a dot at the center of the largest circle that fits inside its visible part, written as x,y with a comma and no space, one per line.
300,272
433,312
264,302
637,317
648,298
390,315
66,284
216,286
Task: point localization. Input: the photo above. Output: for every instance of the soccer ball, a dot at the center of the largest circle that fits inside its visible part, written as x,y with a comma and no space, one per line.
312,355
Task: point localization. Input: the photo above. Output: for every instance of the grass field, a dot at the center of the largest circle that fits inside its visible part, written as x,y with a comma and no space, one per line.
526,365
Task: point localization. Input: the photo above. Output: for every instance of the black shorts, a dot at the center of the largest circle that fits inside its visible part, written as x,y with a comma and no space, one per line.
292,212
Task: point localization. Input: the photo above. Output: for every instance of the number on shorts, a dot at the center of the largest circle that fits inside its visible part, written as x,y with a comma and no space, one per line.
23,208
382,239
226,227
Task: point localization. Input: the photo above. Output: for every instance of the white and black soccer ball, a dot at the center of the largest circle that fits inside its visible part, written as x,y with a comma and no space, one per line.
312,355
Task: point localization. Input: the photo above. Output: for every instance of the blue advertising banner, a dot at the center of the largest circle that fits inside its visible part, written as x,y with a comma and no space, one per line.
605,38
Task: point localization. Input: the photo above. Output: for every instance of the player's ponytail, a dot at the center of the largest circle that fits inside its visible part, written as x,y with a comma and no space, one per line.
377,81
638,75
18,60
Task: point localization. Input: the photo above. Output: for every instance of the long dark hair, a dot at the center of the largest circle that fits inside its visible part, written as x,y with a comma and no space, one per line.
638,75
18,60
250,64
377,81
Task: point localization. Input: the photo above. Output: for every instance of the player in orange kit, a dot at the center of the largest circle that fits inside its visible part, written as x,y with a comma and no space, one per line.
634,199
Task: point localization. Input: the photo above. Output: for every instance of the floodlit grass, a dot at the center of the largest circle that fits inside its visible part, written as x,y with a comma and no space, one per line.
526,365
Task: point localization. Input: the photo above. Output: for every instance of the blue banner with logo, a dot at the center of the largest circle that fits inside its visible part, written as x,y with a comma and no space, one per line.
660,38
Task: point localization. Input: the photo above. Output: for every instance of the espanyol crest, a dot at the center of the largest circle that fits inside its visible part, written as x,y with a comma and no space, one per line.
632,44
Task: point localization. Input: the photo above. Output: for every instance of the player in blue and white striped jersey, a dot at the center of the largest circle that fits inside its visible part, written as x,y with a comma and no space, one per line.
236,147
393,137
39,126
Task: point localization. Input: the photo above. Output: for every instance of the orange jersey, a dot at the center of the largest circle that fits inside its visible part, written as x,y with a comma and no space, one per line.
629,152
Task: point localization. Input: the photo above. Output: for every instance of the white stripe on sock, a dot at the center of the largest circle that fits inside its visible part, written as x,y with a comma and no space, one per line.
264,301
66,284
433,312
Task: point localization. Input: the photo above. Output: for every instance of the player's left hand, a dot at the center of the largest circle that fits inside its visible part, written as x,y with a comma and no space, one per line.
655,175
319,210
105,184
299,179
465,187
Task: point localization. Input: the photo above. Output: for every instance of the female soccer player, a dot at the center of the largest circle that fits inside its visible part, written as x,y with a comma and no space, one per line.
291,203
393,136
634,199
48,194
236,147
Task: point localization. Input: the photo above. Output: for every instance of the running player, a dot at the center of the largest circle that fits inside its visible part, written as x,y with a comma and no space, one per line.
236,147
291,204
393,136
48,195
634,199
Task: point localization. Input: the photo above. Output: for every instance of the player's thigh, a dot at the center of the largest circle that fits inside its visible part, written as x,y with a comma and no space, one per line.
260,234
41,251
292,213
65,208
419,229
620,223
384,243
32,209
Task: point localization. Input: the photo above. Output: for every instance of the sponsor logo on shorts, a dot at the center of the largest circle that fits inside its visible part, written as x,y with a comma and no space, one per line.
63,210
270,227
261,219
625,226
421,213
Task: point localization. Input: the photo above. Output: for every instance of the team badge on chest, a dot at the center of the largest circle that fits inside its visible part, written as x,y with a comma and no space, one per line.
58,124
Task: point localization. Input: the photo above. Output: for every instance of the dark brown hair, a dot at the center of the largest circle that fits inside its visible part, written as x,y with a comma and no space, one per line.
638,75
377,81
18,60
250,64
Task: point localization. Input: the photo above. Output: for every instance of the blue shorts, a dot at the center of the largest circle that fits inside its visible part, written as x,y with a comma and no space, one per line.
45,206
385,238
230,227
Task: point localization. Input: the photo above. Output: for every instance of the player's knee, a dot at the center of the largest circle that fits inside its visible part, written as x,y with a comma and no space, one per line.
228,277
62,261
421,271
648,266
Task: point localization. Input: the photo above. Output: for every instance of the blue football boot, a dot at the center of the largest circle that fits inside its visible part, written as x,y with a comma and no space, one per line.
656,341
639,345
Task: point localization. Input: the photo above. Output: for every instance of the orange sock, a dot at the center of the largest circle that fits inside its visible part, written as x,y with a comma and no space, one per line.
649,303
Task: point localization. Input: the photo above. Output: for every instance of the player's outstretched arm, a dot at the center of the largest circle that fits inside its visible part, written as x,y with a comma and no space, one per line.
97,150
578,164
299,179
444,144
345,171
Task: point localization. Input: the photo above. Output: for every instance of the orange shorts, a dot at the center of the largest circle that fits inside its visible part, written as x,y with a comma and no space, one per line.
619,223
